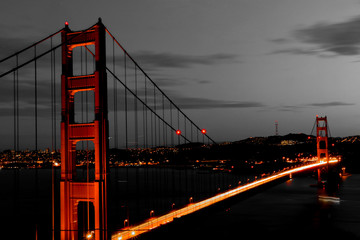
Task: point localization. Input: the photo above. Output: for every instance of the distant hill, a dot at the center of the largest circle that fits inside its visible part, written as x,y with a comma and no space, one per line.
297,137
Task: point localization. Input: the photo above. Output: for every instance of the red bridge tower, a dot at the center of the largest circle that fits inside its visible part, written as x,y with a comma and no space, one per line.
73,192
322,141
322,138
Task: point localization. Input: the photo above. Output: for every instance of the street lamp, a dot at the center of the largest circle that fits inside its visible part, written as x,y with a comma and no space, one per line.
126,221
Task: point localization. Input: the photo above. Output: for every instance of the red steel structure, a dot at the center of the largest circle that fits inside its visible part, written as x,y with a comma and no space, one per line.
322,141
322,138
73,192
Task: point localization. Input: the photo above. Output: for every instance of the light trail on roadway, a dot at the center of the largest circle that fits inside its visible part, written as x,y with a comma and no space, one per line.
154,222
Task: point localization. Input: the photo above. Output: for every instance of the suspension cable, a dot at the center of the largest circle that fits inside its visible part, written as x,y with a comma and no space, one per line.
127,54
32,45
139,99
40,55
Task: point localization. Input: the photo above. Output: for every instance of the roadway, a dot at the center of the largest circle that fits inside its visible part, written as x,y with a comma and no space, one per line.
154,222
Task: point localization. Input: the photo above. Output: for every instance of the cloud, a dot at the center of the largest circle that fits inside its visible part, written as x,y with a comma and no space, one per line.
171,60
328,39
297,108
341,38
280,40
290,108
297,51
331,104
205,103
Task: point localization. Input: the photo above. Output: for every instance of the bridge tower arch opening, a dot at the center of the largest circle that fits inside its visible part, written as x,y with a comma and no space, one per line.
74,195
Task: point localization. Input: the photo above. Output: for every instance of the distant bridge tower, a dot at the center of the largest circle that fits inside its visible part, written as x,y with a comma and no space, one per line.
322,140
276,128
73,192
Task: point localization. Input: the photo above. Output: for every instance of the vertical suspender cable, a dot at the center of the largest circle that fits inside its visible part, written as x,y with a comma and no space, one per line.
52,141
54,72
151,129
17,105
178,122
163,116
191,131
52,96
115,101
36,123
185,127
197,136
146,118
126,117
36,139
143,125
136,112
171,123
155,136
15,111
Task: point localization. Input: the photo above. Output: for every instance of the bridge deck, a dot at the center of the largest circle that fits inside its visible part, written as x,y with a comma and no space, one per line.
133,231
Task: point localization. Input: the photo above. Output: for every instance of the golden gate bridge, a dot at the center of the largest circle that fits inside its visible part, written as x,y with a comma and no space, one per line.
107,101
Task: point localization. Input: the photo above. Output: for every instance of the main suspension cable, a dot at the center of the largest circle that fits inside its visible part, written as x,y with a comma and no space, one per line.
155,85
140,100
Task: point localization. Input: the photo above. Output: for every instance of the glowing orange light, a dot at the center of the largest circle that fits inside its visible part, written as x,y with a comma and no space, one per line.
178,132
203,131
195,206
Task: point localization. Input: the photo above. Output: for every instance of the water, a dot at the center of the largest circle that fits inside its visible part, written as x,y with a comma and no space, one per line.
292,207
26,205
291,210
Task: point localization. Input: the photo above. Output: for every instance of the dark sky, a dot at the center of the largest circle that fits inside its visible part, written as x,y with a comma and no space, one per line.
235,66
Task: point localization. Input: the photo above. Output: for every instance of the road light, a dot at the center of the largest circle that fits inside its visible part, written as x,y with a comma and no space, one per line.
89,235
151,213
126,222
